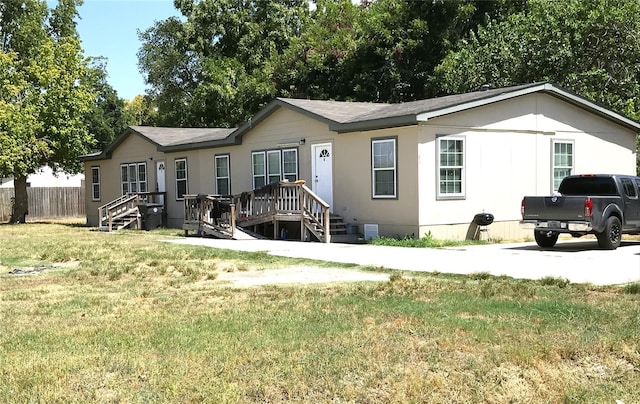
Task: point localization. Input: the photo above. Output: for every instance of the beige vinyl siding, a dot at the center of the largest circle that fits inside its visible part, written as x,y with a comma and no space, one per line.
508,155
133,149
353,194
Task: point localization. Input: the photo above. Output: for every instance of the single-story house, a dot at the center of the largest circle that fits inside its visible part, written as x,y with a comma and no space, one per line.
411,168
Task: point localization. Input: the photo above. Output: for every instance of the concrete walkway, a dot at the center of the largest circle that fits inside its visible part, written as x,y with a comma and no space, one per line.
579,261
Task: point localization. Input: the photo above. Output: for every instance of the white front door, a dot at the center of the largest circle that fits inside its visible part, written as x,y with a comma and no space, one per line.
322,172
161,167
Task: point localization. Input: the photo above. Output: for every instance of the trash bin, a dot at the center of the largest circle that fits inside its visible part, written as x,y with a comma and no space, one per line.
151,215
352,228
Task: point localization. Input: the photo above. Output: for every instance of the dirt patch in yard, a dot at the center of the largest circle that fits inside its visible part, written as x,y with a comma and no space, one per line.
302,274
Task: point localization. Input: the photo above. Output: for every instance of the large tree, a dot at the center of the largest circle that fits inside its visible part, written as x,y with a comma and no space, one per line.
109,116
215,68
44,93
227,58
589,46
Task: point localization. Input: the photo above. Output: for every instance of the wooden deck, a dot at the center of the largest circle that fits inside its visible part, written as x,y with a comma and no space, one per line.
220,215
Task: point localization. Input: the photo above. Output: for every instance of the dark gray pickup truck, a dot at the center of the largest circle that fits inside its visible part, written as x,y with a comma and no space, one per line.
601,204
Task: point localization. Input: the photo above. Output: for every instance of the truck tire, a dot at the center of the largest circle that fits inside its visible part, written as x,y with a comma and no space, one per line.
545,239
611,237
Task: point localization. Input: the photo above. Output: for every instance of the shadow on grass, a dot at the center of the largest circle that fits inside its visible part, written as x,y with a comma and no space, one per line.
68,222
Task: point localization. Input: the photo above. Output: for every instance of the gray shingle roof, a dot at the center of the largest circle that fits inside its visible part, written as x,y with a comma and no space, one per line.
178,136
344,117
336,111
352,112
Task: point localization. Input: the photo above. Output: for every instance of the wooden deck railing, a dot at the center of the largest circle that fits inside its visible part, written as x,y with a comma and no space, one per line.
126,205
316,211
284,201
215,211
280,200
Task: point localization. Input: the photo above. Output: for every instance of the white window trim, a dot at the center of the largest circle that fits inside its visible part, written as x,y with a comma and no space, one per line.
281,173
185,179
285,174
227,158
463,168
553,159
146,177
136,180
394,168
95,185
253,168
268,166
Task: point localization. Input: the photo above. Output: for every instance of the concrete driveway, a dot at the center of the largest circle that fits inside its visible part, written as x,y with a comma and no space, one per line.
579,261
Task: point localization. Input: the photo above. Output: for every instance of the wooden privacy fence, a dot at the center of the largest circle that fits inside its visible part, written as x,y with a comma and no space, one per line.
54,202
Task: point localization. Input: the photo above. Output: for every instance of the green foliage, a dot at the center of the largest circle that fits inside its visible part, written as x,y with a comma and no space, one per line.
632,288
554,281
480,276
215,69
108,117
425,242
586,46
45,93
229,58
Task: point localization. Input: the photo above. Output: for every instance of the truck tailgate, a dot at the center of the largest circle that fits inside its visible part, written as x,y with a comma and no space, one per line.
554,208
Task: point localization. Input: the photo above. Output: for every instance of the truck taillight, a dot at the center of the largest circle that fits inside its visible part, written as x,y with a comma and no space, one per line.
588,207
522,208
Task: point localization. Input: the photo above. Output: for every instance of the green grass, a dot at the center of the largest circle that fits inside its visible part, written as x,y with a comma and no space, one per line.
632,288
127,318
424,242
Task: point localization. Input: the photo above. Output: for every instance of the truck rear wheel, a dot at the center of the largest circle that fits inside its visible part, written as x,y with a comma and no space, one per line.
611,237
545,239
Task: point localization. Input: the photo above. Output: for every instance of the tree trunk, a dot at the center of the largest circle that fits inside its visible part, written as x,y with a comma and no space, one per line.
20,208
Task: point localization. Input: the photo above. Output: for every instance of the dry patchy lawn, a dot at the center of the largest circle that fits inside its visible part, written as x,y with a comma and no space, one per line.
131,319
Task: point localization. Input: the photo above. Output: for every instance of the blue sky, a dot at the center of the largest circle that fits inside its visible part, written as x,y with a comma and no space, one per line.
109,28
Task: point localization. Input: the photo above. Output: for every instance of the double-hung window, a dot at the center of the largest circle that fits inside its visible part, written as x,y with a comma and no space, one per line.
269,166
181,178
383,168
274,170
133,177
95,183
451,167
259,170
223,176
562,159
290,164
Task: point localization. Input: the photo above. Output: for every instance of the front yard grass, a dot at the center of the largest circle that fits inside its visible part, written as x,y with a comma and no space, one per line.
124,317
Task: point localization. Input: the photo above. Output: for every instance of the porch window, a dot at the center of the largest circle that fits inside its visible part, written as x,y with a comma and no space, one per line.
181,178
562,161
271,166
290,164
133,177
95,183
223,176
259,178
383,167
451,169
